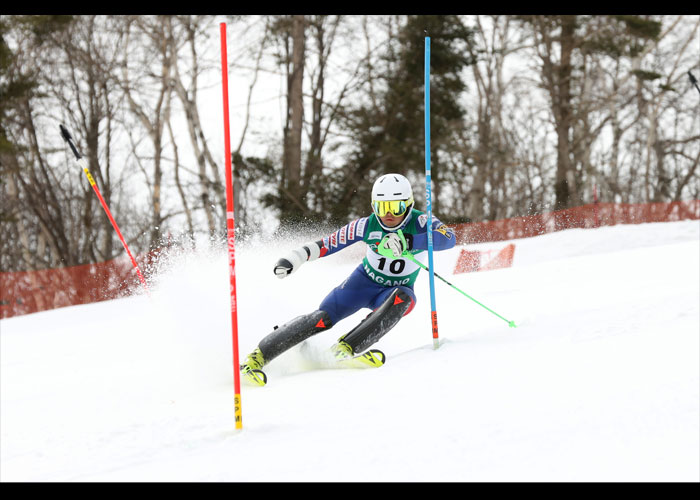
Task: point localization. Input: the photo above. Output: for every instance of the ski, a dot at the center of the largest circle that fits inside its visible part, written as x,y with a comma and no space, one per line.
373,358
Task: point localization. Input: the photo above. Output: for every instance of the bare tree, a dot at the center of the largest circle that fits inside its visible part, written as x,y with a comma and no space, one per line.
293,128
191,29
493,153
54,204
670,135
150,50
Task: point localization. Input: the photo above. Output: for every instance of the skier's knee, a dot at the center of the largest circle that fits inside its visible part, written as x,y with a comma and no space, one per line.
407,295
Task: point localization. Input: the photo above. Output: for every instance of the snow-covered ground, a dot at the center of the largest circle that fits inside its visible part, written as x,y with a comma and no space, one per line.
599,382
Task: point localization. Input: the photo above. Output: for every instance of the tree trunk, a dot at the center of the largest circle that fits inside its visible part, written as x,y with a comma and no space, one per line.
295,118
565,188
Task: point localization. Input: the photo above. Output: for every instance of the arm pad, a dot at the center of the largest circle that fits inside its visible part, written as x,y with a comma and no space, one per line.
294,259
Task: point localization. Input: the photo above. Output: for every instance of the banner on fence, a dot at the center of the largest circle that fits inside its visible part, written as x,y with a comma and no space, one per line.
470,261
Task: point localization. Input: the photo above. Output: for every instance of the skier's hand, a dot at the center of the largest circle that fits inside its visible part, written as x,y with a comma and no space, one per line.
293,260
392,246
284,267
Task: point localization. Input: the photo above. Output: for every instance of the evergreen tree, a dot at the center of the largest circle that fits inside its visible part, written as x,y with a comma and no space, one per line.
390,138
16,85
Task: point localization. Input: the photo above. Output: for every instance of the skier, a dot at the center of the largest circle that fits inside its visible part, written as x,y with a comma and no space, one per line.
383,281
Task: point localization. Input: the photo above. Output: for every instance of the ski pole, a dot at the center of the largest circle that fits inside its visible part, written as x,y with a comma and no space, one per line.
693,81
83,164
409,256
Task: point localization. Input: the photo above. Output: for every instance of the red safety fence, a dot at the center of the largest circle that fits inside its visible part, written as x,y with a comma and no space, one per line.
33,291
586,216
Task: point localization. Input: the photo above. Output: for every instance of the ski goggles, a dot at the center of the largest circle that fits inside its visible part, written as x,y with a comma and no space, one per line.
394,207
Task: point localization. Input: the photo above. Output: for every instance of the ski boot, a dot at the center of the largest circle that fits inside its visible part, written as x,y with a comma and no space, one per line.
346,358
342,350
252,368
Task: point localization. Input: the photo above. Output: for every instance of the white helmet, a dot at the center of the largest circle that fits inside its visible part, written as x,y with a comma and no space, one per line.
392,193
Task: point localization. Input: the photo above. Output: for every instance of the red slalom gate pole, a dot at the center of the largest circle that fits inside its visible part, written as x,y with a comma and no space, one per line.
83,164
230,227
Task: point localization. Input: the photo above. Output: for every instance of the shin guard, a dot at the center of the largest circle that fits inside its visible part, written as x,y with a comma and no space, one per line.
295,331
379,322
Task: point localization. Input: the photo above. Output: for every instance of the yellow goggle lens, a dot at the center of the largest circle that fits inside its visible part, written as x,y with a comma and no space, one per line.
395,207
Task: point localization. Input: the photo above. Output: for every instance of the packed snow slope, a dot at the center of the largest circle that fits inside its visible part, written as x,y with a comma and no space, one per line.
599,381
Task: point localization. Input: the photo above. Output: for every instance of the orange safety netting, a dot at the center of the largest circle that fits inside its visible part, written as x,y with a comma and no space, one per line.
586,216
32,291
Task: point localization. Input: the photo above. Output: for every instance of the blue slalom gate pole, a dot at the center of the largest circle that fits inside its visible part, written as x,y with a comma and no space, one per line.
428,197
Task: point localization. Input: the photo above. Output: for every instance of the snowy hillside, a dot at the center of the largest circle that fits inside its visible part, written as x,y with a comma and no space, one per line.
599,382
